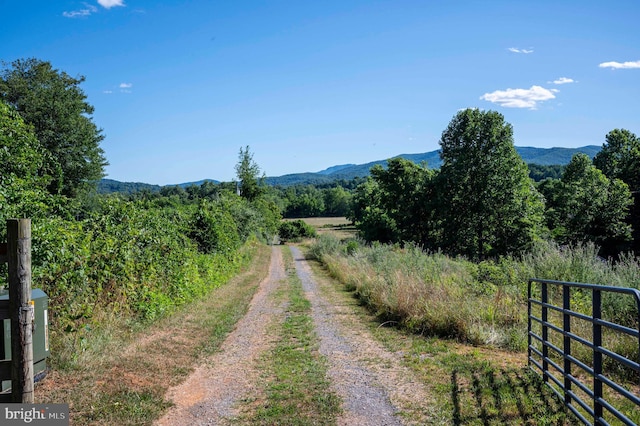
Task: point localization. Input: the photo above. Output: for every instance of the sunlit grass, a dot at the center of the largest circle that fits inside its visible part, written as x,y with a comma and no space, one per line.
485,304
297,390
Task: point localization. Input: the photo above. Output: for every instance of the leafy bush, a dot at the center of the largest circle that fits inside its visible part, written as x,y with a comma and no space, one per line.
214,229
106,257
295,230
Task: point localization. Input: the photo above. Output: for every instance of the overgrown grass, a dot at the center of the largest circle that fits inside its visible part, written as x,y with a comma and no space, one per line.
480,303
485,303
429,294
119,376
468,384
297,390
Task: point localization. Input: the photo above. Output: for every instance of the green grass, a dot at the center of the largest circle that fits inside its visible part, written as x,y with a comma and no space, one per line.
297,391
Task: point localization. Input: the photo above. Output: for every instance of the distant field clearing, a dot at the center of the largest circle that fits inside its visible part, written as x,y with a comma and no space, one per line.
339,226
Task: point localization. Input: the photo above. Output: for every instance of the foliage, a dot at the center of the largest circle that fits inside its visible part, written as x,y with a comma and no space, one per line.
488,205
584,205
139,259
337,202
620,159
407,196
369,215
22,188
295,230
539,172
214,229
52,102
248,173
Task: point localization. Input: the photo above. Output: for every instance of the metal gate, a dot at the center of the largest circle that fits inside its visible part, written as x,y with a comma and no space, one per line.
566,346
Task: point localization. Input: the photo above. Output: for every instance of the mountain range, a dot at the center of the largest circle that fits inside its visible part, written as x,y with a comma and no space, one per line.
531,155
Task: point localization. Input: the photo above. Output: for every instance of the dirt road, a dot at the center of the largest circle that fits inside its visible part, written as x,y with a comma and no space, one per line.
374,388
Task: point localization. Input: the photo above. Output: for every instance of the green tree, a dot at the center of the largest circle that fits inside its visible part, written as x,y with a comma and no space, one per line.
620,159
337,201
305,201
52,102
488,205
407,196
587,206
370,215
22,188
248,173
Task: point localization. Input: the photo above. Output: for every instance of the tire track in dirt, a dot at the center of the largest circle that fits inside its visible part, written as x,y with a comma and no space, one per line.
210,395
375,388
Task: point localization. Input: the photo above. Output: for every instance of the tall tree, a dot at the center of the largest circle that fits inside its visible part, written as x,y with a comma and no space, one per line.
248,173
488,205
52,102
620,159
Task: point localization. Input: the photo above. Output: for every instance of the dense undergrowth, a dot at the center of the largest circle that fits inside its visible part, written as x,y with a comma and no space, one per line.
480,303
137,260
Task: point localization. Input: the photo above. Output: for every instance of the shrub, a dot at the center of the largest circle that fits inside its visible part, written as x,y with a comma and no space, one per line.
295,230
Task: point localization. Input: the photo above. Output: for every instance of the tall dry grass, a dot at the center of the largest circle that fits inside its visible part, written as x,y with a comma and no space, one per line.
480,303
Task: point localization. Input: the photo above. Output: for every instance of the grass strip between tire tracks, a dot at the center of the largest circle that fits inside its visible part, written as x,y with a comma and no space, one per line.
297,391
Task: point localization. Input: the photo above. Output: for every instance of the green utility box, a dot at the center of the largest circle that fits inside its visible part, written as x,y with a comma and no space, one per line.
40,335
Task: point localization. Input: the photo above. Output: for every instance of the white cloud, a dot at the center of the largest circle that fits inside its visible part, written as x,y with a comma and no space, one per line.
126,85
620,65
108,4
107,92
520,98
563,80
88,10
517,50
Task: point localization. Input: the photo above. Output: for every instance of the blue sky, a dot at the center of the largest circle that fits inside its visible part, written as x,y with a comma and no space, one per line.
179,86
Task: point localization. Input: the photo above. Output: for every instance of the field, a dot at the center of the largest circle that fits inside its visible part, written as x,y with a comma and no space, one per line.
341,227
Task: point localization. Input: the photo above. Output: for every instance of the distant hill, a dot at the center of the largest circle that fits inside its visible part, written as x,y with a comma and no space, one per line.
541,156
554,156
335,169
107,186
198,183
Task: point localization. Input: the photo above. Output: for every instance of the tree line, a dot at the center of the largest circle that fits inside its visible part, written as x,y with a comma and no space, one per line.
483,203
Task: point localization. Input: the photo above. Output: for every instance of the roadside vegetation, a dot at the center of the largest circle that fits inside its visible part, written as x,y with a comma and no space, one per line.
483,307
122,372
99,257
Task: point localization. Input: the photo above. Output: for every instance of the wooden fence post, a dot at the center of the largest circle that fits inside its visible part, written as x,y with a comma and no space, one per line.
19,262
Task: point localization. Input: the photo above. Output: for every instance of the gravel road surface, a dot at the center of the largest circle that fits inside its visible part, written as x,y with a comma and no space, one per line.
375,389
